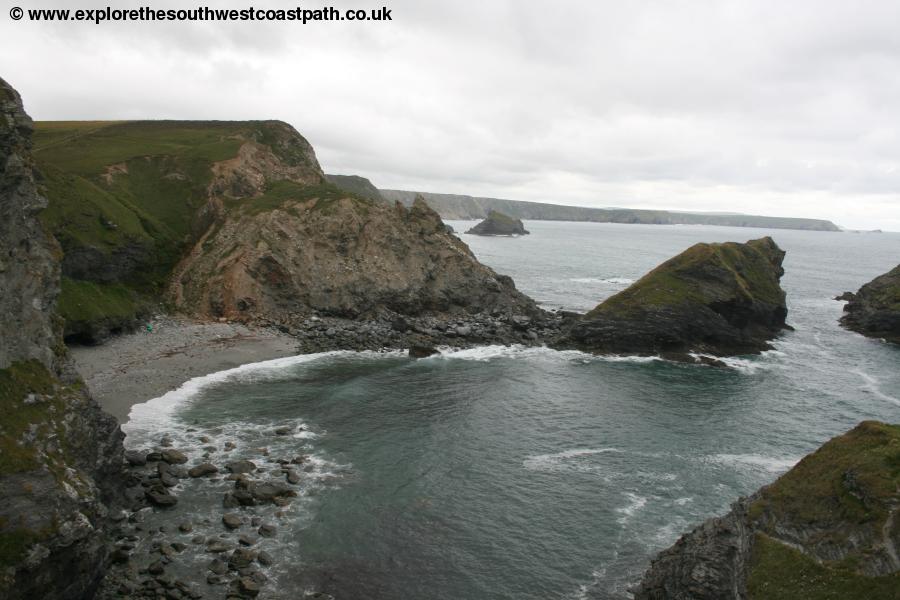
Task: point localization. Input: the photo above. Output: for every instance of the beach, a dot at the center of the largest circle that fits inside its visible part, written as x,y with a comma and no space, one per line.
133,368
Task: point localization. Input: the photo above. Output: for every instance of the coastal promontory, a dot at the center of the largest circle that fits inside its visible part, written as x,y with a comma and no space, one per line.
498,223
828,528
719,299
874,310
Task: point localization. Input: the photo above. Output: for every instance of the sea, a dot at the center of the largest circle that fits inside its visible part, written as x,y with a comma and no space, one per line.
504,473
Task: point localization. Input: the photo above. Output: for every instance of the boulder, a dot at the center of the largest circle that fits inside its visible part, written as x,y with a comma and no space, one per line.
422,351
241,466
173,457
202,470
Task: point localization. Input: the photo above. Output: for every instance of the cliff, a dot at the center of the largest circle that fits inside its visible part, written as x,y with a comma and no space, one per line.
453,206
356,185
828,528
497,223
60,455
874,310
237,220
720,299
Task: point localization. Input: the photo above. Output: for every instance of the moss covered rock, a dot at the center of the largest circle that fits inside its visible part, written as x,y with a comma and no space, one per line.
874,310
719,299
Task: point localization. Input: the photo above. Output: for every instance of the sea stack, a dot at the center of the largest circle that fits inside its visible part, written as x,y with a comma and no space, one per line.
874,310
719,299
497,223
825,529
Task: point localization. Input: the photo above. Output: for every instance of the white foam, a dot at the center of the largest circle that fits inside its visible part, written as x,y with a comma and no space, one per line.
871,386
608,280
556,461
155,415
635,503
757,461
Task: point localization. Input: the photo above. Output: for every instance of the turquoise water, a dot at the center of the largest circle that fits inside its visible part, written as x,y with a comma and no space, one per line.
529,473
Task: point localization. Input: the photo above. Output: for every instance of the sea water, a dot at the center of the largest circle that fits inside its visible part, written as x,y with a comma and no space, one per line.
519,473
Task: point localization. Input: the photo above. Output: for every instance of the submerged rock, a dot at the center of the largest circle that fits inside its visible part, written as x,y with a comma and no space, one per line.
719,299
422,351
825,525
874,310
497,223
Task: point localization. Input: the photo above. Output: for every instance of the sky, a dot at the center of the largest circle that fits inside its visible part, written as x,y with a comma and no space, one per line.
756,106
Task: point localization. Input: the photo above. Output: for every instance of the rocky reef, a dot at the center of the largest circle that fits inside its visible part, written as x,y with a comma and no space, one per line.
828,528
60,455
874,310
498,223
715,299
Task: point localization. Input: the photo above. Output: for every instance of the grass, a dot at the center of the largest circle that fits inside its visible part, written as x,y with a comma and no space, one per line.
778,572
851,479
16,382
280,192
696,276
84,301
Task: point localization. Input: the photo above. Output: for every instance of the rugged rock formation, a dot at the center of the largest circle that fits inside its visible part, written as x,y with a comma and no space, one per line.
236,220
719,299
60,455
874,310
497,223
826,529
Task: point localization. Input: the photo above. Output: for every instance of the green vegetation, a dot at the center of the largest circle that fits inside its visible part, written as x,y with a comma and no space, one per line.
16,382
852,479
778,572
280,192
82,301
696,276
356,185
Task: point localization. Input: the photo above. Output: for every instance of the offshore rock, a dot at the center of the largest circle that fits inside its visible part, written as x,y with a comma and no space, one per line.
61,458
874,310
497,223
719,299
828,524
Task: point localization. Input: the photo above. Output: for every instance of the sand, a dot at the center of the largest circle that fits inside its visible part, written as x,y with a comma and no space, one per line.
134,368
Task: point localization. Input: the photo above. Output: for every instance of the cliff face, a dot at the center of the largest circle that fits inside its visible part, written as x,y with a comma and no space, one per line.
826,529
497,223
60,455
719,299
874,310
237,220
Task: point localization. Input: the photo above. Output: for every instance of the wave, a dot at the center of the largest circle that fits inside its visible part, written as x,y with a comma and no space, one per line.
488,353
635,504
556,461
770,464
155,415
608,280
871,386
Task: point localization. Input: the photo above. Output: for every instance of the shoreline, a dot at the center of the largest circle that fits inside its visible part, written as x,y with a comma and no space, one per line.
133,368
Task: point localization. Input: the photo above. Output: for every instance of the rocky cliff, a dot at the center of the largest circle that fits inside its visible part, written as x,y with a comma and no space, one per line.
237,220
719,299
497,223
60,455
356,185
826,529
874,310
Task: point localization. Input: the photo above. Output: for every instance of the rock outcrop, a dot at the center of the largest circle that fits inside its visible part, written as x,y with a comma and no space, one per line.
718,299
874,310
826,529
60,455
498,223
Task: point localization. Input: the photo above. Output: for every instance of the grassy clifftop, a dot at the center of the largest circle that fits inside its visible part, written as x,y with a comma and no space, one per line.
127,199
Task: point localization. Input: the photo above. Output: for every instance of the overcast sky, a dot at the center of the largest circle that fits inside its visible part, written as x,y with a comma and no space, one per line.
779,108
